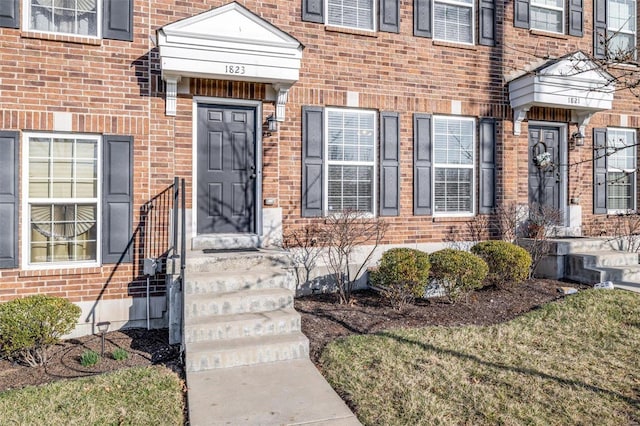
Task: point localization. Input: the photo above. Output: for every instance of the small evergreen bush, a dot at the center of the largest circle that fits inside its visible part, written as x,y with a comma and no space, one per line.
508,263
31,325
401,276
457,271
120,354
89,358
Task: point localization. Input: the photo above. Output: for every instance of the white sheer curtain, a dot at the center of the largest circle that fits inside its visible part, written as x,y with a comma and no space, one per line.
65,16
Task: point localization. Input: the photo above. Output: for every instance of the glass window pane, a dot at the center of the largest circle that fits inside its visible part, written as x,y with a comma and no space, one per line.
351,13
453,23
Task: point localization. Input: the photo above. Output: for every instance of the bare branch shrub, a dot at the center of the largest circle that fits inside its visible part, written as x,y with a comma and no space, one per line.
304,248
625,232
539,226
509,219
341,236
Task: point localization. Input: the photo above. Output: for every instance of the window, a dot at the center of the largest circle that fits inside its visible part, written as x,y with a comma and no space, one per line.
621,169
351,13
78,17
351,156
621,29
547,15
61,199
454,159
453,21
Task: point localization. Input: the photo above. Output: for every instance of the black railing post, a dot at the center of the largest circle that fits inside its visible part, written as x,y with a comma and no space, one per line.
176,194
183,249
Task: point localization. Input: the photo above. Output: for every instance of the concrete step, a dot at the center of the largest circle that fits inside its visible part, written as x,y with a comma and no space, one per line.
226,327
225,241
202,356
622,274
607,258
198,261
223,282
237,302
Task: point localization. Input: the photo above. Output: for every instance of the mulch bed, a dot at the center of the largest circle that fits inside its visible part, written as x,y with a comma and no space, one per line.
324,320
144,347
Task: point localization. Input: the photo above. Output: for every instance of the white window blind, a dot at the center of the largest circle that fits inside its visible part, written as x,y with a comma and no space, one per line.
621,169
351,13
454,159
453,21
351,143
547,15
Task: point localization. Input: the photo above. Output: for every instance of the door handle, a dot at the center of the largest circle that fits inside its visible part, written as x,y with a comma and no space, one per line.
252,175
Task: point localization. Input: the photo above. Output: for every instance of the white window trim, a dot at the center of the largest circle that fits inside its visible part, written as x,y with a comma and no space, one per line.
26,20
471,5
473,166
327,162
564,16
632,171
374,18
26,201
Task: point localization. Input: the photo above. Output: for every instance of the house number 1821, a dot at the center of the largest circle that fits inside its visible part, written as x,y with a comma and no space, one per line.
234,69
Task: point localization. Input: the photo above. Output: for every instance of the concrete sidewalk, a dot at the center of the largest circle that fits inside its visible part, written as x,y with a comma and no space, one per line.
279,393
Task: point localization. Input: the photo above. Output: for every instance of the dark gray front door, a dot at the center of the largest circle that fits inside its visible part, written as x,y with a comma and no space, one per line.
226,169
544,179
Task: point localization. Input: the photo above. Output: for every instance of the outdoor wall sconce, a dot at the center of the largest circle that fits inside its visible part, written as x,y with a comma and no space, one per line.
577,138
272,124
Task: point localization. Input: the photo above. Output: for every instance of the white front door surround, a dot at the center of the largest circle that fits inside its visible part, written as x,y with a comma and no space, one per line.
229,43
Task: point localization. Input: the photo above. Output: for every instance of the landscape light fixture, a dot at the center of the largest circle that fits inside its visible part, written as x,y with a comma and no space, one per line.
103,327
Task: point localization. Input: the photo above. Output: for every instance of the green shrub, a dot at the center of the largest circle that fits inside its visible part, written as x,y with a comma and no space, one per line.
508,263
402,275
31,325
120,354
458,272
89,358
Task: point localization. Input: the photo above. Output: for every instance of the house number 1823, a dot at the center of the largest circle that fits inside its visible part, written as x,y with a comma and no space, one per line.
574,100
234,69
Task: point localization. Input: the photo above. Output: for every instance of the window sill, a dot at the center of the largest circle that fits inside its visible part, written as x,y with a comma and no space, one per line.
455,45
353,31
448,219
548,34
67,38
58,271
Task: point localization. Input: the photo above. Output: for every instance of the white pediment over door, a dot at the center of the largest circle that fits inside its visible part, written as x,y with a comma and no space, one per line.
572,82
230,43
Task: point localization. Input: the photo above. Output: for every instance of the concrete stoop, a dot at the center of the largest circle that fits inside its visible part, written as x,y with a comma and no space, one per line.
247,361
238,310
591,261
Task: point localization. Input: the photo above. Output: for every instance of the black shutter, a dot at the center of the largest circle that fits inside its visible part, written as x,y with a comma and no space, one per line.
117,198
313,11
9,199
117,19
389,11
521,13
421,164
487,130
389,164
599,171
600,28
312,161
422,18
487,17
10,13
576,18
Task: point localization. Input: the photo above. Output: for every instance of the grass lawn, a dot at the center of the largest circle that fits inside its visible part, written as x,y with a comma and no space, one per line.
571,362
134,396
